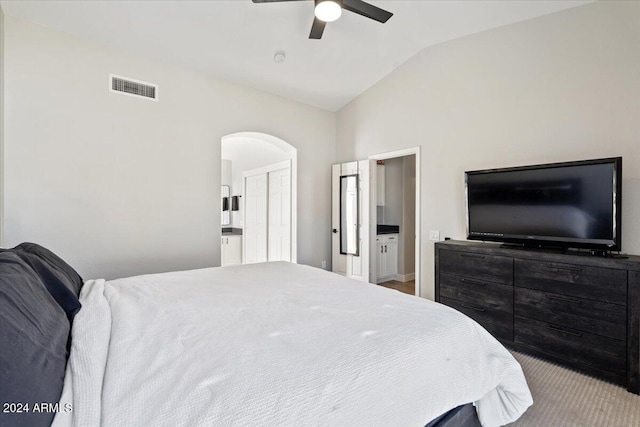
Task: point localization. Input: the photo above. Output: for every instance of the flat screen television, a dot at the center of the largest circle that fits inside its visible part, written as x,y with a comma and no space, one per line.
568,205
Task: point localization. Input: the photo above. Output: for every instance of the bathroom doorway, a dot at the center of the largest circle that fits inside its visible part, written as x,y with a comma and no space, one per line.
259,172
395,220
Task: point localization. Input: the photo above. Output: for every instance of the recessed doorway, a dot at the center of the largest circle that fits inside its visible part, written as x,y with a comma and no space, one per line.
395,220
259,172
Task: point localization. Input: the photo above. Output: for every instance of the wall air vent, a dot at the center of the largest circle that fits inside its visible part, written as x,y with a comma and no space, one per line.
127,86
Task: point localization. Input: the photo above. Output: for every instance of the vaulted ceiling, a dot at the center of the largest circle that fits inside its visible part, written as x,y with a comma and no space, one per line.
237,39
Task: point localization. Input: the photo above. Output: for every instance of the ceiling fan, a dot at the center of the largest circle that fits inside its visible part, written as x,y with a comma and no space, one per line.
330,10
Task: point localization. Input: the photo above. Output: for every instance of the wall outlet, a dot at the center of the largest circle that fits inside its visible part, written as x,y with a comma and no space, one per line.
434,235
324,264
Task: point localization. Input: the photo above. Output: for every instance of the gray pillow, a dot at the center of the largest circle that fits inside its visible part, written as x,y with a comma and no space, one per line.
58,277
33,343
72,279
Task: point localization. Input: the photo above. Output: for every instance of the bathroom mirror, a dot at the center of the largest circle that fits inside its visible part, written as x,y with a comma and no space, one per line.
349,226
225,191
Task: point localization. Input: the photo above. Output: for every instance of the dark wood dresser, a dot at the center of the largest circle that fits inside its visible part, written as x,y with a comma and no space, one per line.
571,308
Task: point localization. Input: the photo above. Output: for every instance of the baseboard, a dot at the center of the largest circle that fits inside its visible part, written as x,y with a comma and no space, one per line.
405,277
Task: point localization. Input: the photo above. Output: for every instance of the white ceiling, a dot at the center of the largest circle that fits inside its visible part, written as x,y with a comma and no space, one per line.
236,39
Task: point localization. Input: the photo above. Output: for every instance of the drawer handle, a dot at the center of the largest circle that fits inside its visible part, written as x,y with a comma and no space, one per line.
565,299
472,307
560,268
472,256
566,331
473,282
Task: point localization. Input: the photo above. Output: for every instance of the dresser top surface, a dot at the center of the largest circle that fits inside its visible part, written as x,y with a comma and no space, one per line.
632,262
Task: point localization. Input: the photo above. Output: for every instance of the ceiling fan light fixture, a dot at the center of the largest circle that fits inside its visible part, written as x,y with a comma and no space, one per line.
328,10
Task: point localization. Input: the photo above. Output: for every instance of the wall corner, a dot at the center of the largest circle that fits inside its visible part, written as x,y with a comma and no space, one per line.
2,128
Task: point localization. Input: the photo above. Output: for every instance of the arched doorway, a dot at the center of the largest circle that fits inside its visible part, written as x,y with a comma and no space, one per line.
259,174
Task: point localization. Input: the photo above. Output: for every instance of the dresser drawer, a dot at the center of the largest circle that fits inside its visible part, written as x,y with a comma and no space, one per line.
602,284
580,349
488,294
493,268
595,317
498,323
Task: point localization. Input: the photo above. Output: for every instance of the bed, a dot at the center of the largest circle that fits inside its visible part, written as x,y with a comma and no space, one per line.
261,344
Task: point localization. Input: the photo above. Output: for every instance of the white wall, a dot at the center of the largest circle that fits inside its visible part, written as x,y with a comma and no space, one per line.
120,186
561,87
245,154
1,125
392,211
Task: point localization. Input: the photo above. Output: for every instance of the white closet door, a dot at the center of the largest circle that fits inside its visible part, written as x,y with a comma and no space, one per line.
280,215
255,225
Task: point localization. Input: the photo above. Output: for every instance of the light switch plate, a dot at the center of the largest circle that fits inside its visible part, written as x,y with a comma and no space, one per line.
434,235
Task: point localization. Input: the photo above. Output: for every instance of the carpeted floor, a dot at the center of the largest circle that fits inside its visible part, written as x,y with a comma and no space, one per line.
565,398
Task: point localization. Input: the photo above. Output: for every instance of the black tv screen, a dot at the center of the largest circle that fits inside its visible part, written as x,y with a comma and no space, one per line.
575,204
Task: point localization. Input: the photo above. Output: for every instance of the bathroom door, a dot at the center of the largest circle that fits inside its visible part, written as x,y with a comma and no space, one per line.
267,213
279,223
254,245
350,219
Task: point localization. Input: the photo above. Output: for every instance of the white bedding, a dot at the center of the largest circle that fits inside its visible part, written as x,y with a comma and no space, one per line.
279,344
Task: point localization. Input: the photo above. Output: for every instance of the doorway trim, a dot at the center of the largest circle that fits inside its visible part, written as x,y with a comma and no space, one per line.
372,203
293,152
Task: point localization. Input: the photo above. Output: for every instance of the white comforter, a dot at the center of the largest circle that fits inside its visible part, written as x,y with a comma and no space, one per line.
280,344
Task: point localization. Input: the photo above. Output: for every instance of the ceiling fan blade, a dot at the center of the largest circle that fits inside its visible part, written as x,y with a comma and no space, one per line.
366,9
317,29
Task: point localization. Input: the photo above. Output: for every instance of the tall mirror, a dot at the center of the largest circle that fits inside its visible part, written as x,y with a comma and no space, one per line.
349,226
226,205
